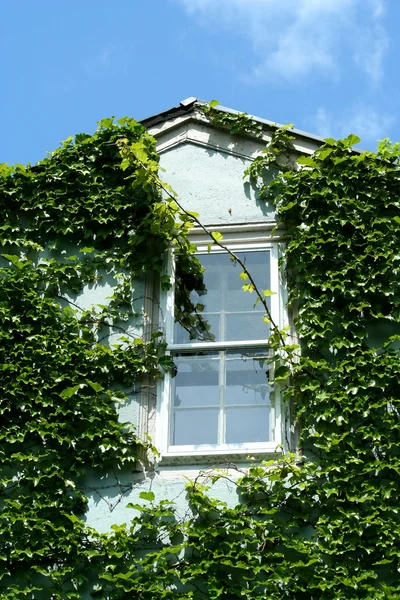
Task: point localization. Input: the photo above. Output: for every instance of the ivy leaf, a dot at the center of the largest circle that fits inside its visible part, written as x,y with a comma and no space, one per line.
68,392
352,139
323,154
15,260
106,123
282,373
306,161
149,496
95,386
139,151
217,236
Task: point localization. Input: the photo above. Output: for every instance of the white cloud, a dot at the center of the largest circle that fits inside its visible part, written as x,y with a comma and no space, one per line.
362,120
372,42
106,55
297,38
322,123
104,60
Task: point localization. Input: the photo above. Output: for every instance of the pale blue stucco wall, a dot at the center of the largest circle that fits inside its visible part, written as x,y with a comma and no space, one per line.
211,183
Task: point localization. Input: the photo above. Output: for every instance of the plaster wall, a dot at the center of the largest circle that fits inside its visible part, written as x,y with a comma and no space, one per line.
110,494
205,167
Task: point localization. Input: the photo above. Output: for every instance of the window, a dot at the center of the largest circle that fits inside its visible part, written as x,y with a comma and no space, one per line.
220,400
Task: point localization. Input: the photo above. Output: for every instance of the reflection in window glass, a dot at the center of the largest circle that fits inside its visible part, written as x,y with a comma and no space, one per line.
195,427
250,424
221,398
228,310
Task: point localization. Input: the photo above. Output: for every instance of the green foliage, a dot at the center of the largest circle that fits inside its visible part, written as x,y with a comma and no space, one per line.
61,379
322,525
237,123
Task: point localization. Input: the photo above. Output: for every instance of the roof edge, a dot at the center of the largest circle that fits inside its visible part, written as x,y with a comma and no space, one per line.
188,104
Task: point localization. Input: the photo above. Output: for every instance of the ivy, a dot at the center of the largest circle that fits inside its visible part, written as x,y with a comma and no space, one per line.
80,216
318,524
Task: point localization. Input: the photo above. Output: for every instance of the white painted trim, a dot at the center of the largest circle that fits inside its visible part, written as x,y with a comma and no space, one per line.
222,449
197,117
244,237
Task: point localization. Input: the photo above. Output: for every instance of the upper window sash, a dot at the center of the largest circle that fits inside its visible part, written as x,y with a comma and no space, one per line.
225,317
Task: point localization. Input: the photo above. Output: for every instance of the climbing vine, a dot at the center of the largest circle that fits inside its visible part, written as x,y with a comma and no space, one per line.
321,524
79,217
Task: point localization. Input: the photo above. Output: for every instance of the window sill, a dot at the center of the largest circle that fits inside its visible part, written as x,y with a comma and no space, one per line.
219,458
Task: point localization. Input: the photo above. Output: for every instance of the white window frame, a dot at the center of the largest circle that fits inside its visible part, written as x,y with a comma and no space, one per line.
237,241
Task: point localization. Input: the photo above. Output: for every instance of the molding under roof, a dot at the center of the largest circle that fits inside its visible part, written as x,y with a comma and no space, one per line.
188,105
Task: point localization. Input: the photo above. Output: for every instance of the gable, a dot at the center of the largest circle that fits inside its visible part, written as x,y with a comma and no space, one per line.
205,165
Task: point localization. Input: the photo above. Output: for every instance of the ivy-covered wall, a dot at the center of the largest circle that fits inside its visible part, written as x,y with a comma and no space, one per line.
205,168
322,524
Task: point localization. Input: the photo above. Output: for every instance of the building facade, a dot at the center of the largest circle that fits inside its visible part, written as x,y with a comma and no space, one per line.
219,408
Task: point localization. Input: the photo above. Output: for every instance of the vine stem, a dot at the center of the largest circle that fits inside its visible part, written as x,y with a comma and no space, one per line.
173,196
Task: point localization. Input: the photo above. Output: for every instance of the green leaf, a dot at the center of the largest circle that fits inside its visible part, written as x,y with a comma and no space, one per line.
106,123
282,373
268,293
139,151
307,161
13,259
96,386
243,276
149,496
214,103
68,392
323,154
352,139
217,236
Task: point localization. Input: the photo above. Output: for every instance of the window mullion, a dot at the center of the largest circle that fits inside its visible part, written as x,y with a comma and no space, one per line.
222,396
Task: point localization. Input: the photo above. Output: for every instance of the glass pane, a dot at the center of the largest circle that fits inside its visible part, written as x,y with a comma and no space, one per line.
250,326
245,425
195,392
193,427
197,380
246,379
223,294
221,397
258,264
212,324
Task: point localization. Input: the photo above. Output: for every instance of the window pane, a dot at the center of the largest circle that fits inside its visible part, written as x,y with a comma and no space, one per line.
196,382
195,393
193,427
250,326
223,295
258,265
246,425
182,336
246,378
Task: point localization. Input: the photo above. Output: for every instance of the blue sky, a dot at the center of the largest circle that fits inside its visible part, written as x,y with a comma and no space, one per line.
328,66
